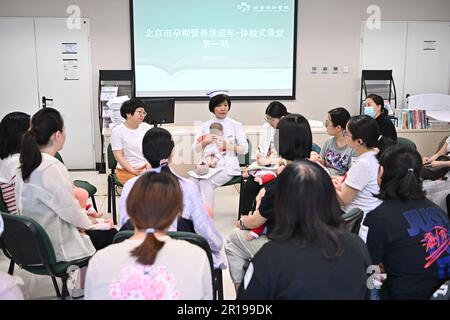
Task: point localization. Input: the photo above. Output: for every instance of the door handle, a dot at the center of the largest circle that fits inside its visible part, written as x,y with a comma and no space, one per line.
44,101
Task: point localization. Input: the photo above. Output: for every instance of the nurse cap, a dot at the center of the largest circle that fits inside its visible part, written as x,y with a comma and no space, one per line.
215,92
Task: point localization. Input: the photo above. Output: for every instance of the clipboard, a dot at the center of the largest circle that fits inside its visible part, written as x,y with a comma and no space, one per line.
211,172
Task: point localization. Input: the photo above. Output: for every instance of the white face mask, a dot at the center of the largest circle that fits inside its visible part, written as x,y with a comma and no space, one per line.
370,111
1,225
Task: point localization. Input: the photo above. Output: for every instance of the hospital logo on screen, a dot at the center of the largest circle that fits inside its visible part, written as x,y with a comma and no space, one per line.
245,7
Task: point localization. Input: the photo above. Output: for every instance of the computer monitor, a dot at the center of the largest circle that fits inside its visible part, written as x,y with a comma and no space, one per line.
159,111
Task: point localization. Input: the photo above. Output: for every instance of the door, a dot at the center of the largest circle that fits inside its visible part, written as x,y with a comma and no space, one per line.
428,58
64,77
18,76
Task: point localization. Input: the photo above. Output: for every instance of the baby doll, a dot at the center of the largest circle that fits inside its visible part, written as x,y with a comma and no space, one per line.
82,196
213,152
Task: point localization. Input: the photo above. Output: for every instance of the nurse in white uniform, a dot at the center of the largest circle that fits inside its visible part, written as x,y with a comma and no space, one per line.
234,142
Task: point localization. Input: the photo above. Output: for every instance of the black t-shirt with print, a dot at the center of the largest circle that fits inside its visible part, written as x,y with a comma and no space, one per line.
411,239
304,272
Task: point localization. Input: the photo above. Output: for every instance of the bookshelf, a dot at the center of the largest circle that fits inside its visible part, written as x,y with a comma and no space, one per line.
112,83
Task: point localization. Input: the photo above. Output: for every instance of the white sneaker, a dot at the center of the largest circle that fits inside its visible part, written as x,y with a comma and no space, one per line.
77,294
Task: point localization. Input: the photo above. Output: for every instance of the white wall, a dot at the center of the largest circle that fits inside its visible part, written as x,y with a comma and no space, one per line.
328,34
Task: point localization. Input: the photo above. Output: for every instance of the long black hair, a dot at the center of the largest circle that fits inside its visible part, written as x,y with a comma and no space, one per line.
339,117
12,127
401,177
44,123
366,128
293,137
157,145
276,109
308,210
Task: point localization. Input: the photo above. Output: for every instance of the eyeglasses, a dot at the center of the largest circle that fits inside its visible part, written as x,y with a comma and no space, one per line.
142,113
328,123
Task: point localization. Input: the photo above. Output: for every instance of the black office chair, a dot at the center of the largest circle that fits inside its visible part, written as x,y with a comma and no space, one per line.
193,238
405,142
315,147
353,219
112,183
27,244
91,190
244,161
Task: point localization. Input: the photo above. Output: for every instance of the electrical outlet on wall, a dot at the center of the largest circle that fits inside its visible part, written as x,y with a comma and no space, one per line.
324,69
335,69
345,69
313,69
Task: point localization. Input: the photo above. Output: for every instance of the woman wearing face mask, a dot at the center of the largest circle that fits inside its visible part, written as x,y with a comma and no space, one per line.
375,108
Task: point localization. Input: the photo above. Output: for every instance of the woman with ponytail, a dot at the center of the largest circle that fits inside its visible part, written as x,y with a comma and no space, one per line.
44,191
157,146
12,127
150,265
408,234
356,189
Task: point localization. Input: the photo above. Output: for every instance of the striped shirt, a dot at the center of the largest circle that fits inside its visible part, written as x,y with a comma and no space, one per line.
9,197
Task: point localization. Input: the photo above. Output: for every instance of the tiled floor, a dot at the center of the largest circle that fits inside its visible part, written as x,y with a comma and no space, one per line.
226,204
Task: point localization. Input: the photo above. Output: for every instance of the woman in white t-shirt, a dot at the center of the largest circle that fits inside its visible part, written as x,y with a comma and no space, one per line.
126,141
234,142
150,265
357,188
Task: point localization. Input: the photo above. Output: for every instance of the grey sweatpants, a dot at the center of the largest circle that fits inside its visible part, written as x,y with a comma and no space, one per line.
239,251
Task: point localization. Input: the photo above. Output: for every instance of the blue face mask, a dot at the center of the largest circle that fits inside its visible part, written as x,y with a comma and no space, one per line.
370,111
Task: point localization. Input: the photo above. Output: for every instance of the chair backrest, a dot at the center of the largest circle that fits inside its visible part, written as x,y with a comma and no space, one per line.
196,239
315,148
406,142
193,238
112,162
244,159
26,241
352,219
58,156
122,236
